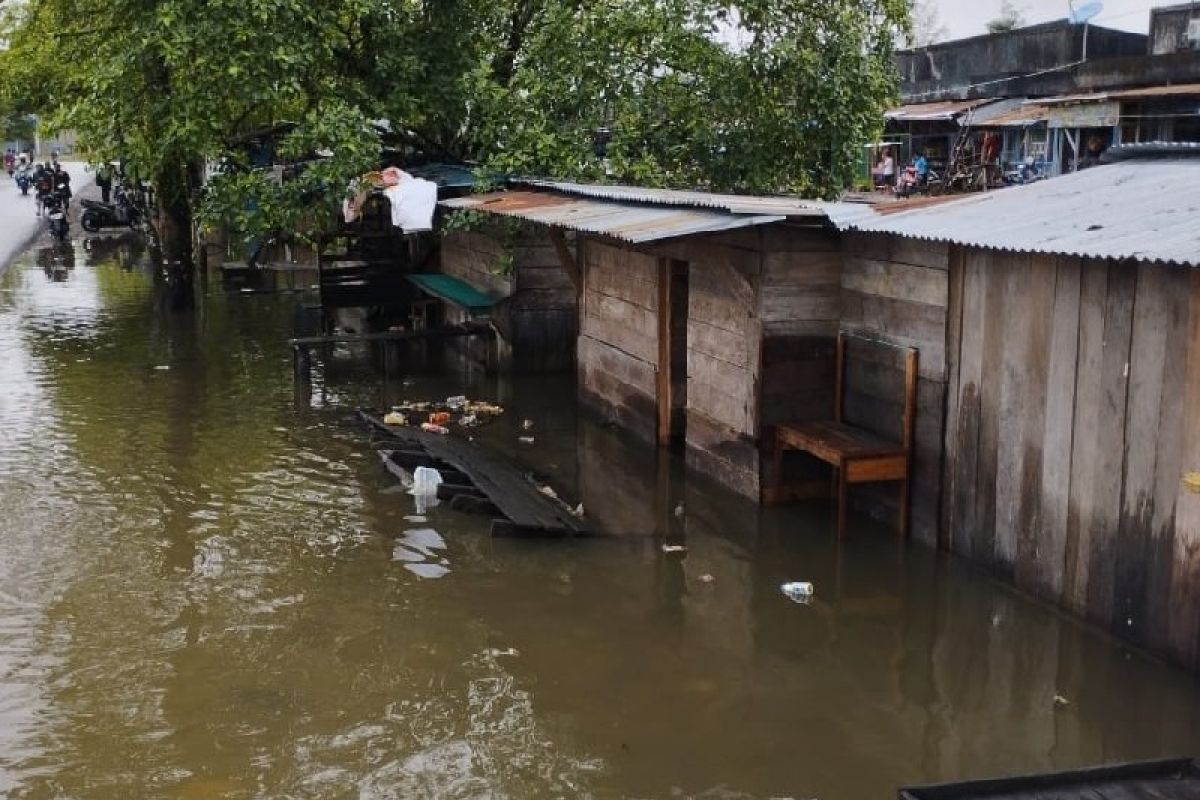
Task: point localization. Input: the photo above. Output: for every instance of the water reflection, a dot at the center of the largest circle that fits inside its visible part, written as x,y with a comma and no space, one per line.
209,590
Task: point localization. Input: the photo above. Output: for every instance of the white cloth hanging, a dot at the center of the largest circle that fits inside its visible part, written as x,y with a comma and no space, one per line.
413,203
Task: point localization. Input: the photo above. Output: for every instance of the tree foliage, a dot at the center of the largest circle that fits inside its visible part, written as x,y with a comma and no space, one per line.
1010,19
522,86
926,24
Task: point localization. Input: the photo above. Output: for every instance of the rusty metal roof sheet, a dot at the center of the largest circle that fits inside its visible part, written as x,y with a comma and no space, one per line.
628,221
1010,114
1179,89
932,112
1145,210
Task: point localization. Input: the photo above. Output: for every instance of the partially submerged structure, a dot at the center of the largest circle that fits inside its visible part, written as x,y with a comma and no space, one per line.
1057,431
703,319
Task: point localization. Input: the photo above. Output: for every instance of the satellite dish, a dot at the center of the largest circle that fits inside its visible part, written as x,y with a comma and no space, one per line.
1085,12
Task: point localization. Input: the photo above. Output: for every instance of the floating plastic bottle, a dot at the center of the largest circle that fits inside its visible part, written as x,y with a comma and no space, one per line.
798,591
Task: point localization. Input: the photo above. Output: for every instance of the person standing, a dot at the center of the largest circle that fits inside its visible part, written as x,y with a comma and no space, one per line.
104,179
10,161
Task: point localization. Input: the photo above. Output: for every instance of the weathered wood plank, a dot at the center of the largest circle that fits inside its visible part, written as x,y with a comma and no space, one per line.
1174,416
732,348
913,324
897,281
995,334
597,355
1088,418
813,270
954,326
1060,425
1185,584
963,431
624,325
1147,368
1118,332
1032,282
790,302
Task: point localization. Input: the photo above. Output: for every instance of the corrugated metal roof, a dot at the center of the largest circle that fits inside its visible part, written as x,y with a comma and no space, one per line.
630,222
732,203
932,112
1145,210
1174,90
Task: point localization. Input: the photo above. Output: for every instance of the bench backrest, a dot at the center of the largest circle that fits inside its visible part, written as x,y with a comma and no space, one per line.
876,387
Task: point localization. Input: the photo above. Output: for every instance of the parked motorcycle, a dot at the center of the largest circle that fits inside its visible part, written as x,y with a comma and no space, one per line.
1029,171
121,213
55,205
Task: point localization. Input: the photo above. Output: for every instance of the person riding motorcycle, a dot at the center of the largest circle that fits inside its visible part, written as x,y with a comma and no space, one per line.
43,185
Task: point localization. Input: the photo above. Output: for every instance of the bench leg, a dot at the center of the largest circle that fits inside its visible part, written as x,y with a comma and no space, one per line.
777,469
841,503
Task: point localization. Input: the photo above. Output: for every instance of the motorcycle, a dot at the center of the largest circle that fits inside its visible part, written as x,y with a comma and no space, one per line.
121,213
24,178
1028,171
56,215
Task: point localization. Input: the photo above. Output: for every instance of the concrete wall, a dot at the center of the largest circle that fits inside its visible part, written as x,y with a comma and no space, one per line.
1168,28
978,59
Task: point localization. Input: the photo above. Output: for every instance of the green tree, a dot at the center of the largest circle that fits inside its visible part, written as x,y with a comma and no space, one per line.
752,95
1010,19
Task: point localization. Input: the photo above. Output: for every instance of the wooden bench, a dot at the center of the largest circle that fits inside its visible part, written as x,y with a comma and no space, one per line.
856,454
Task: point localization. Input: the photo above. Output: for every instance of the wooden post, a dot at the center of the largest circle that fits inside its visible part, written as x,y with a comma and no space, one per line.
839,377
664,352
302,363
569,263
911,386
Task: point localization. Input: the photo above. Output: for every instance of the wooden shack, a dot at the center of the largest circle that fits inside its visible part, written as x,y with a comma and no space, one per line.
1071,375
703,320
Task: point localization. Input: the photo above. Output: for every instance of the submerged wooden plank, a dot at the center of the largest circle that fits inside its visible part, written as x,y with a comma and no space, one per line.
526,510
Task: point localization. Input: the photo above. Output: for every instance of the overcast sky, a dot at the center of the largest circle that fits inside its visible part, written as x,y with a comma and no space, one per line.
968,17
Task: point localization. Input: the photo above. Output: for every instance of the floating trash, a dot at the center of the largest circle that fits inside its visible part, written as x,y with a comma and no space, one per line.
526,439
797,591
674,548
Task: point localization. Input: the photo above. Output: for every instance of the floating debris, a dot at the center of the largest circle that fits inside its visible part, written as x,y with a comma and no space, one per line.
798,591
430,427
526,439
549,492
706,578
527,425
508,652
679,510
674,548
1061,701
395,418
577,511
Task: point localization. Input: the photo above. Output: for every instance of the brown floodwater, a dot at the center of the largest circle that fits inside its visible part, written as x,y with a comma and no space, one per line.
210,588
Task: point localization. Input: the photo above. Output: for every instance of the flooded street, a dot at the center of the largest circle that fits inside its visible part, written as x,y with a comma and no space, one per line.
210,588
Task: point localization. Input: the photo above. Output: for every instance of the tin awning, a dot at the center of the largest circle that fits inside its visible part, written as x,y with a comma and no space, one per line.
945,111
631,222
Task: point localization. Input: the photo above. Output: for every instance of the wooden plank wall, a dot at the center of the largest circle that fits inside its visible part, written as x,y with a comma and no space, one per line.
801,308
898,291
618,336
540,321
724,336
1073,413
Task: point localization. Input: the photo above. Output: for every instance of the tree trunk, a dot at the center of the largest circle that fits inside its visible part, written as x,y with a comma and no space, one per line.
176,271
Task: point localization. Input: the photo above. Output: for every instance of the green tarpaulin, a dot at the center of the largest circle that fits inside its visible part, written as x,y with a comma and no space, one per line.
452,290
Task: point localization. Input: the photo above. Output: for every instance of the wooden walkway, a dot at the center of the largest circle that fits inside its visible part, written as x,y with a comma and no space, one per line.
1177,779
524,510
